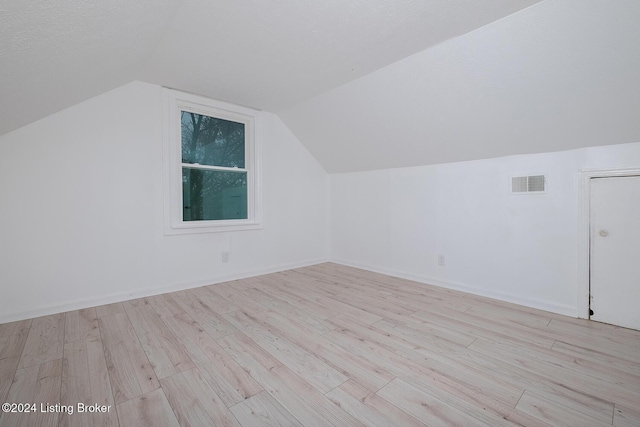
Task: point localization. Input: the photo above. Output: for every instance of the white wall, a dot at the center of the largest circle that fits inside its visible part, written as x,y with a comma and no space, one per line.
81,210
81,216
519,248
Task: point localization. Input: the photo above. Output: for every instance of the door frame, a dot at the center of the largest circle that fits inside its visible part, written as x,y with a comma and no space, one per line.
584,231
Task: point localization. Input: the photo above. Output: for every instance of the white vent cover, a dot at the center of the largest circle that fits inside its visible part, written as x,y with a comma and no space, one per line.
528,184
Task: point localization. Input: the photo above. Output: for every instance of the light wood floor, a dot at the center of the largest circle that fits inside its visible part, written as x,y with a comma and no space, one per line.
317,346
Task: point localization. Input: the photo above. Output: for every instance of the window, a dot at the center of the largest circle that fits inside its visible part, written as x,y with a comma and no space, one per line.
210,165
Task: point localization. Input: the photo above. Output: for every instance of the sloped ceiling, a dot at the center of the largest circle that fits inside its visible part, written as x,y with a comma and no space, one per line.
364,84
267,54
559,75
273,54
54,54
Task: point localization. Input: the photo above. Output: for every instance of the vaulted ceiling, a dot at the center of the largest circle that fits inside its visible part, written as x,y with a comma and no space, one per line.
261,53
560,75
364,84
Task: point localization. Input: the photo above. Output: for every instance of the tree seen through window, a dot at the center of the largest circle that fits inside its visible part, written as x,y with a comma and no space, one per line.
214,177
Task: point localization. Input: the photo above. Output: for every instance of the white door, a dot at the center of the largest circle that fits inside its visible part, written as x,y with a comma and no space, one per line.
615,250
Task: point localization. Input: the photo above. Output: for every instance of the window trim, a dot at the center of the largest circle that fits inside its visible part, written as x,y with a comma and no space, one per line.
173,102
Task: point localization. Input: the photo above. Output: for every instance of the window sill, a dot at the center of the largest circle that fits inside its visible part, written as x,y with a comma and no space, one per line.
200,227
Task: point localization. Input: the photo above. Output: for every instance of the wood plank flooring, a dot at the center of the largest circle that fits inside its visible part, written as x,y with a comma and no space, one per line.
325,345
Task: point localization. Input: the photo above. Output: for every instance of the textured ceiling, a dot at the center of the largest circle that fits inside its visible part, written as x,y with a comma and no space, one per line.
272,54
562,74
56,54
364,84
262,53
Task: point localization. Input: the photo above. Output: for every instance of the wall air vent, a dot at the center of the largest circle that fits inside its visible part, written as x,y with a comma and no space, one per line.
528,184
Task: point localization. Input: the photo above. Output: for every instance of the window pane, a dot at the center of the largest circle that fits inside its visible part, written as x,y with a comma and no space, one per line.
213,195
212,141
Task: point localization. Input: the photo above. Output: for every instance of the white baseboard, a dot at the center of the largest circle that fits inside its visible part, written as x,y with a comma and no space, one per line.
126,296
545,305
551,306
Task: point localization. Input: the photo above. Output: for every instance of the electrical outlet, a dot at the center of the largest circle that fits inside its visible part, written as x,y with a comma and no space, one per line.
441,260
225,256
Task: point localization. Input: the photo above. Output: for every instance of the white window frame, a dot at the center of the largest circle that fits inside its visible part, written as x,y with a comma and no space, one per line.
174,102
